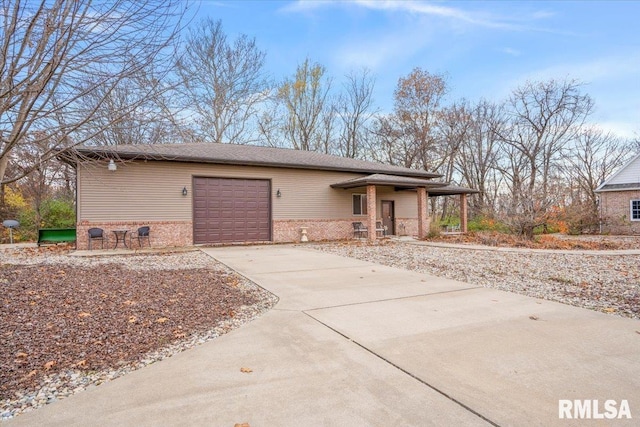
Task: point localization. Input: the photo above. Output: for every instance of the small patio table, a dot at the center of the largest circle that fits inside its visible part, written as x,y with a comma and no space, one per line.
121,236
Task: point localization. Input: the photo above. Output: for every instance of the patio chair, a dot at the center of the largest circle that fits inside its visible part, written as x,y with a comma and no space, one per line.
380,229
140,235
96,234
359,229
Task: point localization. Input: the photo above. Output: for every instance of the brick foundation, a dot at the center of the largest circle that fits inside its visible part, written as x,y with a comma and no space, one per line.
317,229
180,233
615,212
163,233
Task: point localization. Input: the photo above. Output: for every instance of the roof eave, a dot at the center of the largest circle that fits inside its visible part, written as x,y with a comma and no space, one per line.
192,159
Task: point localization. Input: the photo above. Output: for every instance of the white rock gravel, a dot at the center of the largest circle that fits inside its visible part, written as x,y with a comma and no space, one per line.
70,382
607,283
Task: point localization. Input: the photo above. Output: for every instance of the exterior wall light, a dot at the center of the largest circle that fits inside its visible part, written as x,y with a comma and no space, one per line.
112,166
278,193
184,191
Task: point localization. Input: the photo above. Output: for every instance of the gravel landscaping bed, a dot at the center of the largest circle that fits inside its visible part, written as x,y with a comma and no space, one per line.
71,322
607,283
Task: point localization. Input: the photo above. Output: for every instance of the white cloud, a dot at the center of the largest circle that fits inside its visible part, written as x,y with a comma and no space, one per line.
608,80
511,51
476,17
605,68
376,50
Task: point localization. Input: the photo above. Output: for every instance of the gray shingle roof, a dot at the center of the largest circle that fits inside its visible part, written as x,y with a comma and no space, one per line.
248,155
618,187
450,190
391,180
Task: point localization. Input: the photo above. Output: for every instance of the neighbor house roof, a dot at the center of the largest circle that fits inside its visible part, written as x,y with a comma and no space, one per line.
626,178
247,155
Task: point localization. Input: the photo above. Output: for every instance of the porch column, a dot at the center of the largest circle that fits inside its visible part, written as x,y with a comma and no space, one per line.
371,213
423,213
463,213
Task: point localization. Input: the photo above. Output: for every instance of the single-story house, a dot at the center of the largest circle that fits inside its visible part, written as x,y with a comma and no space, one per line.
209,193
619,202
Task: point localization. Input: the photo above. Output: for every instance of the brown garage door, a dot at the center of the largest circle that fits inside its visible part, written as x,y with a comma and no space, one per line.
229,210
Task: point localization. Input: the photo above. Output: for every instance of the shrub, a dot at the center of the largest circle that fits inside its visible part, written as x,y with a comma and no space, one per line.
482,223
56,213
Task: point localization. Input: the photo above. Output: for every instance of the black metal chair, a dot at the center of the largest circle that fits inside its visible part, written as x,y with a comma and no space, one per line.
96,234
359,229
140,235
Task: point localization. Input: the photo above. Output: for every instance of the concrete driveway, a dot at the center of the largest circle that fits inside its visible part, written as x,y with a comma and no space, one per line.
354,343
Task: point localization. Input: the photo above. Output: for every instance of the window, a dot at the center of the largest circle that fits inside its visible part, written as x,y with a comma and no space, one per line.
635,210
359,204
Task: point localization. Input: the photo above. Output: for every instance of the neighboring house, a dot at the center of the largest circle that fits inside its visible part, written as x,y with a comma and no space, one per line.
211,193
620,200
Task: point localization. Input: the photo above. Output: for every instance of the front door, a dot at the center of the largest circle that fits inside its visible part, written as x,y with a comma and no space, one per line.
388,217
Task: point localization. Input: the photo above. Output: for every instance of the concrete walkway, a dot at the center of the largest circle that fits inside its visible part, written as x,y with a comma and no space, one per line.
593,252
356,344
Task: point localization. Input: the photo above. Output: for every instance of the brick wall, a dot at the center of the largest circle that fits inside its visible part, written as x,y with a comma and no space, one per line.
163,233
615,212
180,233
317,229
406,226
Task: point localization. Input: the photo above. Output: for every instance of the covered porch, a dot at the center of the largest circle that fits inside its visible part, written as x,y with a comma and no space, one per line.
424,189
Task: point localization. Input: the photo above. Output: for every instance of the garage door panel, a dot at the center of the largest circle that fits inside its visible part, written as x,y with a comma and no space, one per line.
231,210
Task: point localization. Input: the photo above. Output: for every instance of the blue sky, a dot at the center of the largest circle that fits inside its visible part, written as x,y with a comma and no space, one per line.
485,49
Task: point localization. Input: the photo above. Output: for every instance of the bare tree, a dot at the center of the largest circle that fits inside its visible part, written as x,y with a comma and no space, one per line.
543,118
479,155
354,109
223,83
49,178
454,126
594,155
153,117
410,132
55,53
302,114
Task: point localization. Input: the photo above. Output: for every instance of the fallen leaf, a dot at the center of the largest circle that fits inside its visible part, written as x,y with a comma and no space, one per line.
49,365
610,310
241,425
133,319
21,354
31,374
129,302
81,363
84,314
246,370
533,317
161,320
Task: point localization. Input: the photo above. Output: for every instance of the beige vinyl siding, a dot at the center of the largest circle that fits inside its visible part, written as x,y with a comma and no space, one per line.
152,191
